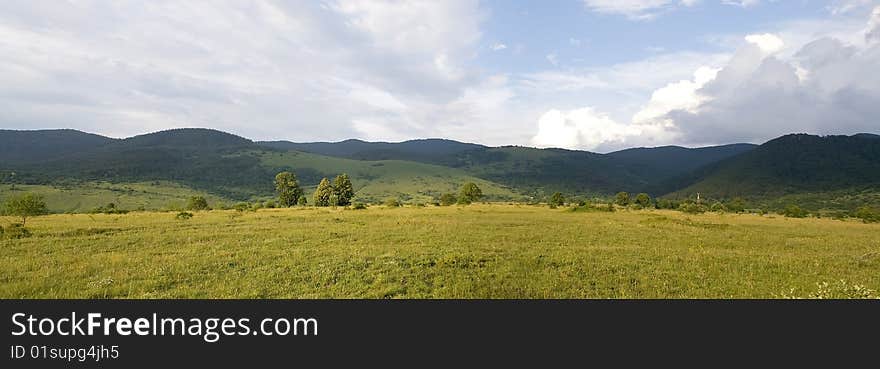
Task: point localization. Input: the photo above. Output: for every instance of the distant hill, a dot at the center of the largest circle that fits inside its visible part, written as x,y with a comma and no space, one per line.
535,170
434,151
796,163
35,146
235,168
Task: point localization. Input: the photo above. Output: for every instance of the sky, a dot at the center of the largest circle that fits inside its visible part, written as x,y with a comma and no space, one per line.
598,75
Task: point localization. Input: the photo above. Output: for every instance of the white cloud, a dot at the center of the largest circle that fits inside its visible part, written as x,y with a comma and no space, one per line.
585,128
498,47
636,9
742,3
768,43
553,59
682,95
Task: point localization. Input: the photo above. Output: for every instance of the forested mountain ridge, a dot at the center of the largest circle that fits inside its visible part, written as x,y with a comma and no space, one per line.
238,168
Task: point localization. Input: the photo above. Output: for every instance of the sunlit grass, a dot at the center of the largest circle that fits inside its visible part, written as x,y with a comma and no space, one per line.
478,251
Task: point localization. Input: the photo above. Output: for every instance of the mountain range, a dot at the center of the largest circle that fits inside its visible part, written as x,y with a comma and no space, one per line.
236,168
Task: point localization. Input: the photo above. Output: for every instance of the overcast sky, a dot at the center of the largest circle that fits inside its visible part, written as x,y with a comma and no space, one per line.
597,75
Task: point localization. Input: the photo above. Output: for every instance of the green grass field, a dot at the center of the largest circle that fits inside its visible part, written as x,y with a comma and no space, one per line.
478,251
375,181
83,197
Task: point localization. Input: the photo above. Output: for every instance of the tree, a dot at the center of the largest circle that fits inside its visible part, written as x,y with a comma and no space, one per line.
303,201
643,200
343,189
25,206
287,187
470,192
622,199
557,199
323,193
794,211
447,199
737,205
197,203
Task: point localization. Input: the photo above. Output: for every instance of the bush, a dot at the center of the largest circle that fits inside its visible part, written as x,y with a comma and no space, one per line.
391,203
622,199
794,211
358,206
448,199
718,207
14,231
692,208
196,203
868,214
242,206
557,199
184,215
643,201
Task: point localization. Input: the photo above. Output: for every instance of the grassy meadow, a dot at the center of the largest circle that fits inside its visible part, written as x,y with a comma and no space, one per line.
477,251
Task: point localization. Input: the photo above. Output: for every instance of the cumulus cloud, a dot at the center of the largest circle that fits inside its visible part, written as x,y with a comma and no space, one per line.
580,128
825,86
297,70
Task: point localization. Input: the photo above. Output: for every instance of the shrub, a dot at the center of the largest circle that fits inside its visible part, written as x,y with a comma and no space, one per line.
867,214
643,200
196,203
447,199
242,206
184,215
302,201
15,231
718,207
557,199
794,211
692,208
359,206
391,203
622,199
270,204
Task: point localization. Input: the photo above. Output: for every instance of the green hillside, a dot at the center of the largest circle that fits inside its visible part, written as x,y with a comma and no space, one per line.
378,180
537,171
86,196
795,166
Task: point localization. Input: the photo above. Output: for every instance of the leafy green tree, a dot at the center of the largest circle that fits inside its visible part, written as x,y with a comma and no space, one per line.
303,201
868,214
794,211
197,203
343,189
287,187
643,200
447,199
470,192
622,199
322,194
26,206
718,207
557,199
